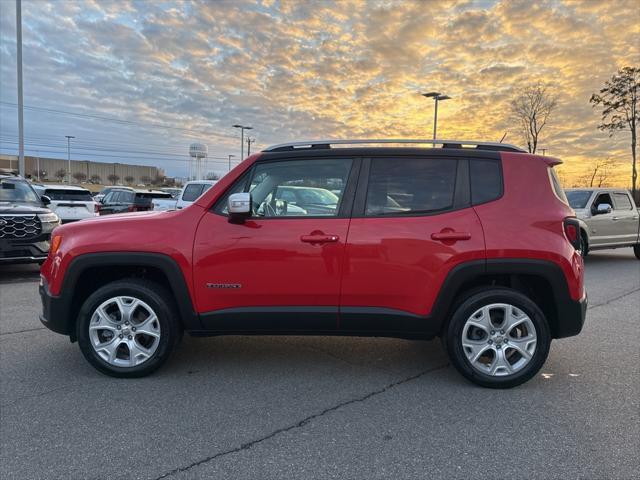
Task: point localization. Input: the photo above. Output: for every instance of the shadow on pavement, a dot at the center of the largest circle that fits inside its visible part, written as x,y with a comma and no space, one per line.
19,272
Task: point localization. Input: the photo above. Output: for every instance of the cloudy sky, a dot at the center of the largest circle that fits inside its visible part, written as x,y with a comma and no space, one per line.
138,81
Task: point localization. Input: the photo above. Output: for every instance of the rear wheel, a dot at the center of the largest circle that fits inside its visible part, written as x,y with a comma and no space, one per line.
636,250
128,328
498,338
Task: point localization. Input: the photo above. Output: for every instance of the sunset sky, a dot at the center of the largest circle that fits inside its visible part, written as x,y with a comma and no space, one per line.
298,70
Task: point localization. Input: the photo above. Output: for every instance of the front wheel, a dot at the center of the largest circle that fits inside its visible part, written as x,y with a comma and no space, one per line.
498,338
128,328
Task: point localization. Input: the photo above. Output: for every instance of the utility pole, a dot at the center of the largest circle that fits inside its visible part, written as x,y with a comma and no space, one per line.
249,142
242,129
69,137
437,96
38,163
230,162
21,168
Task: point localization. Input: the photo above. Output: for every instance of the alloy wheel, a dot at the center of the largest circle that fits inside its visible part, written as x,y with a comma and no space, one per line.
499,339
124,331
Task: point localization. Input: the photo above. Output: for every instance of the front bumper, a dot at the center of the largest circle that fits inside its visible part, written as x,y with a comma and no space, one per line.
55,311
24,251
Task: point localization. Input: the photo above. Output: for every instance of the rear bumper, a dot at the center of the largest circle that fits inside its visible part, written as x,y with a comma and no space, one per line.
571,317
55,311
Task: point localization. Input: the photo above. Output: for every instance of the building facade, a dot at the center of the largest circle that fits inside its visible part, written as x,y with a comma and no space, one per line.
49,169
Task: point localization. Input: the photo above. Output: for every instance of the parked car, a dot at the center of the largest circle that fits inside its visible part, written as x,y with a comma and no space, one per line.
120,201
106,190
192,191
25,221
608,218
423,242
69,202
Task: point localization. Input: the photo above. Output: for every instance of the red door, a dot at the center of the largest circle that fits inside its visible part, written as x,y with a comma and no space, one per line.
408,235
280,269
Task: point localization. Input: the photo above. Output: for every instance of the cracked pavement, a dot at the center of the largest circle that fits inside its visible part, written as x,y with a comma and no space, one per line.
323,407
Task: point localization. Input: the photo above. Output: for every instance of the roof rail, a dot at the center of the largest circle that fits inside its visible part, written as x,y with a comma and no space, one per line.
326,144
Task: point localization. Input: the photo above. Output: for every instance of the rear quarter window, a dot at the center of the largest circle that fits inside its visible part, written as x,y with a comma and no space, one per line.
486,180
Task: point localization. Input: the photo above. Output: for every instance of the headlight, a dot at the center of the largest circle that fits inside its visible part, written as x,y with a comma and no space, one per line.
49,217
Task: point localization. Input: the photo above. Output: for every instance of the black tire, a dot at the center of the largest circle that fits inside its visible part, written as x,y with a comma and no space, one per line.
465,309
636,250
584,245
156,297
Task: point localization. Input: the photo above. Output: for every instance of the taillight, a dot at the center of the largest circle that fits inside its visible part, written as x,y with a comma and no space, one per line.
572,231
96,208
132,208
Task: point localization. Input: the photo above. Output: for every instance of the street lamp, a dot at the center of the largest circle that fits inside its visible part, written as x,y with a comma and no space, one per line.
437,96
230,161
249,142
242,129
69,137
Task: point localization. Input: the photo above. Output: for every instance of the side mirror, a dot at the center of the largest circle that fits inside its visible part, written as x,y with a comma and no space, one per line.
239,207
604,208
45,200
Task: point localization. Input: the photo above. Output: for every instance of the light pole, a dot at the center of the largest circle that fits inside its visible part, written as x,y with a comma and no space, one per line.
21,167
437,96
242,129
230,161
69,137
249,142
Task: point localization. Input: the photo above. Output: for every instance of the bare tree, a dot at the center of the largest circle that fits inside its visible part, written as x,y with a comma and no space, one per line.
145,179
212,176
80,177
531,110
95,178
601,171
113,178
619,101
129,179
60,174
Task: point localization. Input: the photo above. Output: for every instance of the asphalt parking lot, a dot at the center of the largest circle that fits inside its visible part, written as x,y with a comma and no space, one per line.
321,407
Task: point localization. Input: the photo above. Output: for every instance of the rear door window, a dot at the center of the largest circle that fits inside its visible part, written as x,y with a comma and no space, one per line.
622,201
399,186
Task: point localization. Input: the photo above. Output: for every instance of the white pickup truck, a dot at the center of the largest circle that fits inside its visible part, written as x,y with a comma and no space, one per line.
608,218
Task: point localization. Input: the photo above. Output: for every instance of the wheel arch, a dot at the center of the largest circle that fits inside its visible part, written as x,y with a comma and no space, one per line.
88,272
541,280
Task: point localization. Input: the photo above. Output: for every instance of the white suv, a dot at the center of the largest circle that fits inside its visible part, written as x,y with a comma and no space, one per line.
70,203
193,190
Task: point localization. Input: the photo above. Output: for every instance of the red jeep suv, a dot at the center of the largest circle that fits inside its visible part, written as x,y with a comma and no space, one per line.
469,241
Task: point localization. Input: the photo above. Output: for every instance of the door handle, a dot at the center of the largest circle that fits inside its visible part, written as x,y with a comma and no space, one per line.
319,238
450,236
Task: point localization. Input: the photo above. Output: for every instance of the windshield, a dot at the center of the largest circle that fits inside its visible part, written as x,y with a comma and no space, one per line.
317,196
578,198
17,191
